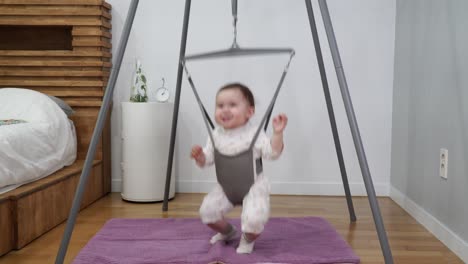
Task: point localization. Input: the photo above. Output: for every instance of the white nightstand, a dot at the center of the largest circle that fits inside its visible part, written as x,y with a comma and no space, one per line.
146,132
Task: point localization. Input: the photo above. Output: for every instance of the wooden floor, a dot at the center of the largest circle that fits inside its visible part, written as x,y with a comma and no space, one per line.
410,242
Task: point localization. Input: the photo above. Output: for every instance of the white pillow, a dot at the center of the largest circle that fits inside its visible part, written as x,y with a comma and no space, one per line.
28,105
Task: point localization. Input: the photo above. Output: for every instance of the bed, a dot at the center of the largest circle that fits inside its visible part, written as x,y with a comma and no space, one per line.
42,151
36,137
69,59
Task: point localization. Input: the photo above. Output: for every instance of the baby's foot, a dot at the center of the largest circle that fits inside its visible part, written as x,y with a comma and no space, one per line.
224,237
245,247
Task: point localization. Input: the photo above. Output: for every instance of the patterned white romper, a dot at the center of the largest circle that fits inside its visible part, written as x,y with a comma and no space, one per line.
256,204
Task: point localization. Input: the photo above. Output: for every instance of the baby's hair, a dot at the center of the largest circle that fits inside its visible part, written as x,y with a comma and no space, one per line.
244,90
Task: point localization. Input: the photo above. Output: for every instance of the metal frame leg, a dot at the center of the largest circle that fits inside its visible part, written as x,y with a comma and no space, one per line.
175,115
356,135
331,114
96,133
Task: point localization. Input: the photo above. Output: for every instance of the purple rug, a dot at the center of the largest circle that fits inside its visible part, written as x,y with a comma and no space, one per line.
186,240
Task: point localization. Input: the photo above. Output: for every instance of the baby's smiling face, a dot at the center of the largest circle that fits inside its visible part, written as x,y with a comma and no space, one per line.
232,109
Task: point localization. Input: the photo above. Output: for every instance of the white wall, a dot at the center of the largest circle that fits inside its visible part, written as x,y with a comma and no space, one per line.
431,112
365,35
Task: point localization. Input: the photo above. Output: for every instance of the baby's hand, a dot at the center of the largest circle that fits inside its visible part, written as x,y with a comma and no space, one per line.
198,155
279,123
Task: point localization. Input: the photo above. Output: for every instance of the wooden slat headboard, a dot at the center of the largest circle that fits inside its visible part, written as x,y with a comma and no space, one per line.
78,73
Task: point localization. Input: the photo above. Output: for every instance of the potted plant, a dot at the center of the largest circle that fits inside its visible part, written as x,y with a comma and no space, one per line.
139,90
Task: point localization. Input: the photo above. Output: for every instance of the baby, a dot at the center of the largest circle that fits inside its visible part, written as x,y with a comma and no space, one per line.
235,106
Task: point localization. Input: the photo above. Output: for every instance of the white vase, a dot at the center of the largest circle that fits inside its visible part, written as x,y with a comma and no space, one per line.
146,132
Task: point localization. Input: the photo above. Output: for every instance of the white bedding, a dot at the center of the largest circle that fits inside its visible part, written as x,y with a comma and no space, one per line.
37,148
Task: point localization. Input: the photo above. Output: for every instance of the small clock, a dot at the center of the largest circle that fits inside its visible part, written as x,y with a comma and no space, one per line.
162,93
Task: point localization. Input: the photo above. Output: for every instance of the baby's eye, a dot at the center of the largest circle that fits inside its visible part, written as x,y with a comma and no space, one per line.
232,104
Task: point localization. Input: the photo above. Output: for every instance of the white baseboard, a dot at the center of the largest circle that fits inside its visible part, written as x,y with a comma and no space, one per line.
437,228
292,188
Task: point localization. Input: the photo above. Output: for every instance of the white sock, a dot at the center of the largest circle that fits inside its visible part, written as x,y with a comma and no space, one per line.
224,237
245,247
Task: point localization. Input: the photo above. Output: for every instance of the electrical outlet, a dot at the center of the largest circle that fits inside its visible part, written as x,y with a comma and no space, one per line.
443,157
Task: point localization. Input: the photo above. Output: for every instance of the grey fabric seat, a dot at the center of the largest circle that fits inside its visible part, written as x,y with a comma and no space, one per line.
236,174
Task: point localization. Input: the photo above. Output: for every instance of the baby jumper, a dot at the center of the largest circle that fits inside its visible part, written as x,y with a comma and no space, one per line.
235,173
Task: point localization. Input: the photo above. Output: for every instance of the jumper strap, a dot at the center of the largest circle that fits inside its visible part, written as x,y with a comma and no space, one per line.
266,116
